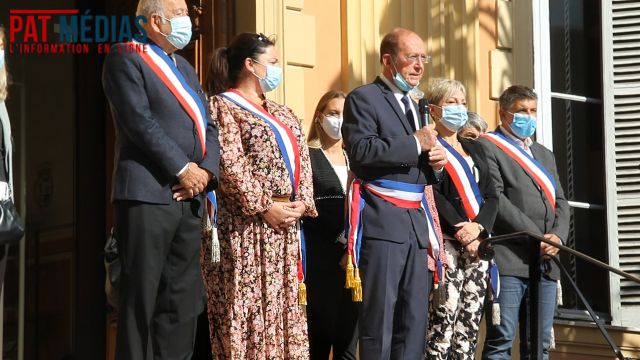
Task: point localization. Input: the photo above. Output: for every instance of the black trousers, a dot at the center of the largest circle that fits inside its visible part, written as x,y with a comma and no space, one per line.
395,289
331,314
161,289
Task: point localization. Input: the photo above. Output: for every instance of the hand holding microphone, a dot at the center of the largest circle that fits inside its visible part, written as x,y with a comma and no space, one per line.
437,158
426,134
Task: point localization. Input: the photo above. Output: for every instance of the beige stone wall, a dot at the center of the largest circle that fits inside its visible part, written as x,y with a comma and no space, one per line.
452,33
479,42
309,43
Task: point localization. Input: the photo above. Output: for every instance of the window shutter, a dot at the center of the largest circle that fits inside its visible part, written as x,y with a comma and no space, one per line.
625,58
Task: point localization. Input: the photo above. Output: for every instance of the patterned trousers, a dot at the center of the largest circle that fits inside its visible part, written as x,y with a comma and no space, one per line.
454,324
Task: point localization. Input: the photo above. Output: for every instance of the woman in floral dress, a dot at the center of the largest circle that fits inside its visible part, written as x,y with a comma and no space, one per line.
256,290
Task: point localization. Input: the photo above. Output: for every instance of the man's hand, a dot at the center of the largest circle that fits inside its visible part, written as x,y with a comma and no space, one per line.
467,231
546,249
437,157
426,137
192,182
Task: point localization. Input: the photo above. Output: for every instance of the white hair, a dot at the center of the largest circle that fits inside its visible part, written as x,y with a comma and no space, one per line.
149,7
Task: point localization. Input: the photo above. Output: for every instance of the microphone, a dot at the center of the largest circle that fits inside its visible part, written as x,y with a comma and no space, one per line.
423,110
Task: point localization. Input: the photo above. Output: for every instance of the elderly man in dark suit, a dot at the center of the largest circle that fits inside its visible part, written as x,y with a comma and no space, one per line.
166,156
393,156
531,199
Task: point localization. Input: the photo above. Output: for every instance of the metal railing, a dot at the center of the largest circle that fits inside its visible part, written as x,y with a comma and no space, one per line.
535,275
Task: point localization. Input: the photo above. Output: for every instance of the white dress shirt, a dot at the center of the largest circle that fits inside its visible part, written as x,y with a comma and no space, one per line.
526,144
399,95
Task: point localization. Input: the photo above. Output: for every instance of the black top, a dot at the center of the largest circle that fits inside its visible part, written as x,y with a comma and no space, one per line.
330,201
448,199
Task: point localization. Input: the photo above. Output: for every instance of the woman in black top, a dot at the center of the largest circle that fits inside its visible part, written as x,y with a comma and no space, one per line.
331,315
467,214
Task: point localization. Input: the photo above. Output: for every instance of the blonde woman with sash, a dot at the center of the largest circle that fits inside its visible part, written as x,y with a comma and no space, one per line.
257,290
467,206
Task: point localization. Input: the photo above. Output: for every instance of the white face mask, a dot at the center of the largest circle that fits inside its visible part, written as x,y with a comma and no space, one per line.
332,126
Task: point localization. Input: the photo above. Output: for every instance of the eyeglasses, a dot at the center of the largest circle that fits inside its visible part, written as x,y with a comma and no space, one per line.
425,59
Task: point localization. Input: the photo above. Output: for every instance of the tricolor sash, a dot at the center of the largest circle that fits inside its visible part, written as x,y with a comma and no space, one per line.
462,177
165,68
285,138
404,195
528,164
288,145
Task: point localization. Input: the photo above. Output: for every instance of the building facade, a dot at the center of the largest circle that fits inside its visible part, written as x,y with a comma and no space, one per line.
581,56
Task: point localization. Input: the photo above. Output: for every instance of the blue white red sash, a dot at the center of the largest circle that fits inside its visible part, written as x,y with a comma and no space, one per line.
465,183
285,138
528,164
408,196
462,177
163,66
288,145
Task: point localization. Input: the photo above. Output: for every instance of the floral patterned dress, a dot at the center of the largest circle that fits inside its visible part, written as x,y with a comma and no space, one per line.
253,291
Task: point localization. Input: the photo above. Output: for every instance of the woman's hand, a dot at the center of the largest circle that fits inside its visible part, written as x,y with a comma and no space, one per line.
472,248
283,215
298,207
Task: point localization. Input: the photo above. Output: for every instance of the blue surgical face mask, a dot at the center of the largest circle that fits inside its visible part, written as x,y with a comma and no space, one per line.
523,125
180,31
1,58
400,81
272,78
454,117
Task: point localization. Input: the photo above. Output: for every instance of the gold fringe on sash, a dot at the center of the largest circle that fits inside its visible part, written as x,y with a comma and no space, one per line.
302,294
356,291
349,271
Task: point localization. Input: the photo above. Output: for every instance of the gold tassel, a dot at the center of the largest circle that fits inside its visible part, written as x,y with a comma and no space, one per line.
302,294
349,282
356,294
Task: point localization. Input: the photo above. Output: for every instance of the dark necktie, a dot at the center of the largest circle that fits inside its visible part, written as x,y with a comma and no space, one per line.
407,111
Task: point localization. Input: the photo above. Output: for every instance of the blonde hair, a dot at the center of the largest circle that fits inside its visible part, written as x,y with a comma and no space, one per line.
4,83
315,130
440,88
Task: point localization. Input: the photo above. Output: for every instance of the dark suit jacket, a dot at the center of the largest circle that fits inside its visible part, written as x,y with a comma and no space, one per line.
155,138
448,199
380,145
524,207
